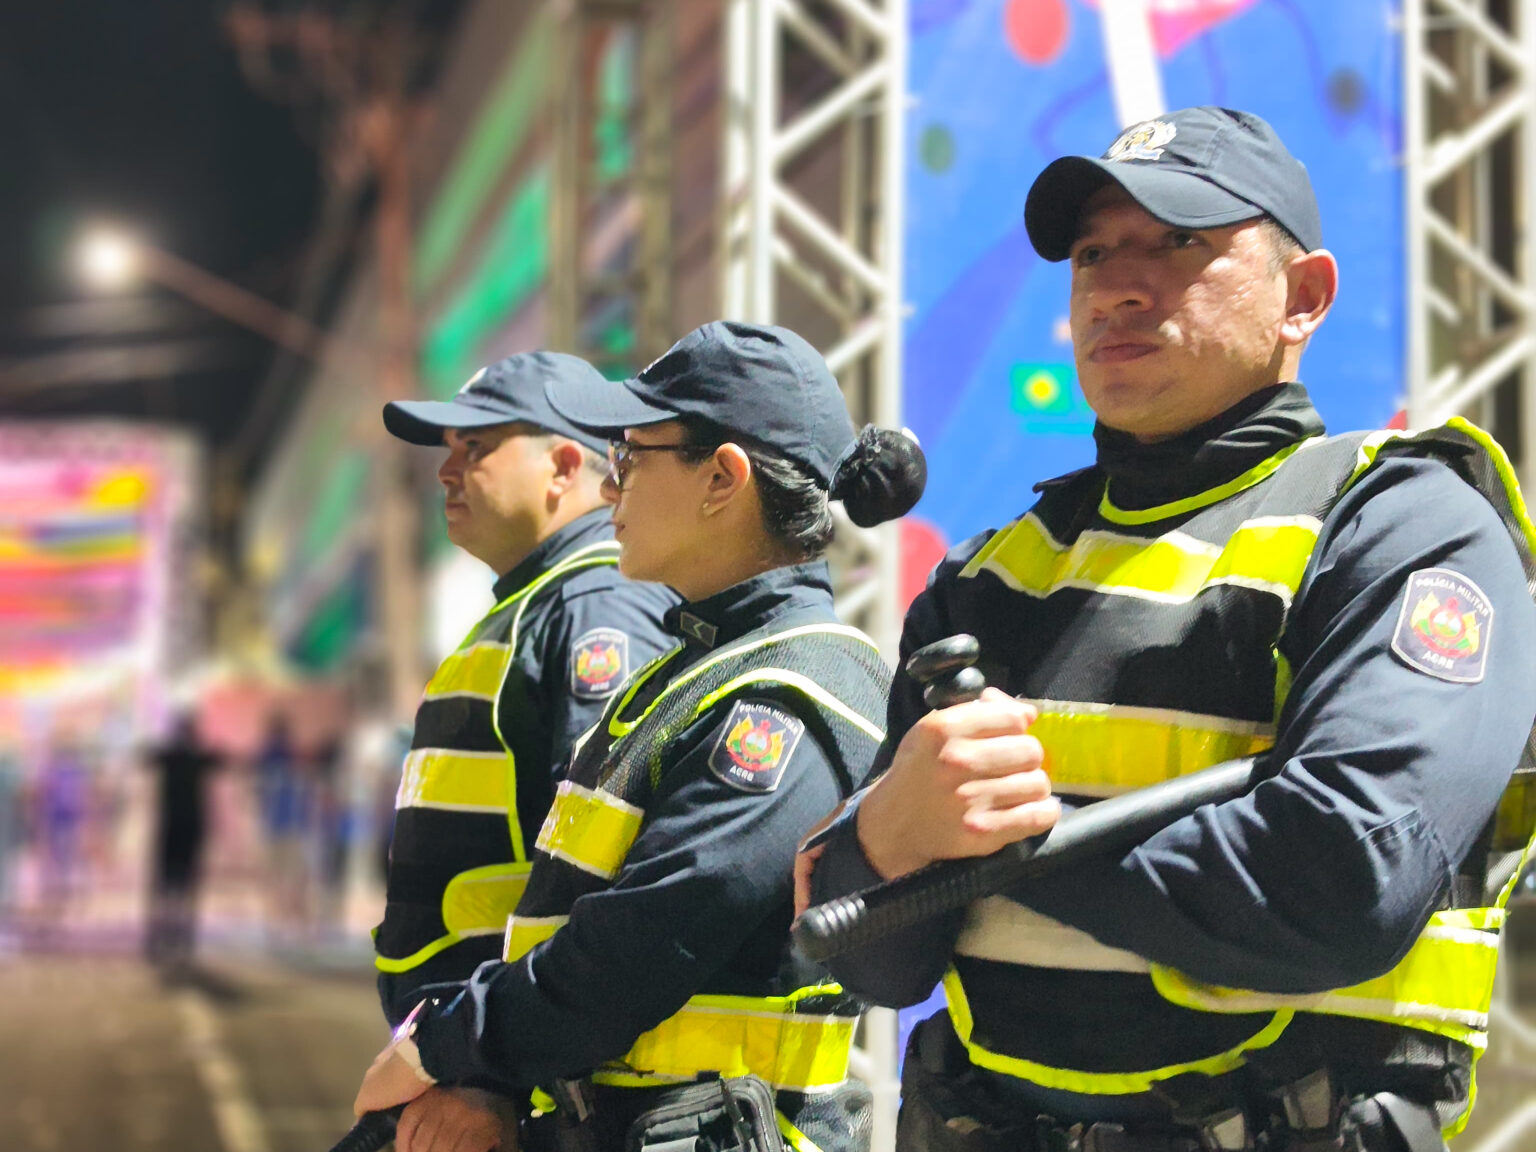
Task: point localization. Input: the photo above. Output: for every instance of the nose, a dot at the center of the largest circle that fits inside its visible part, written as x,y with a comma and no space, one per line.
1120,283
451,469
609,488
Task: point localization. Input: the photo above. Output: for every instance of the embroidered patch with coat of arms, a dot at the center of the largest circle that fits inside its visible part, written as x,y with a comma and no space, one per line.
599,663
755,743
1444,626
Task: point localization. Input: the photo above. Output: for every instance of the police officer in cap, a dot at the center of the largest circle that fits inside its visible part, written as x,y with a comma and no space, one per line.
498,719
1307,966
649,960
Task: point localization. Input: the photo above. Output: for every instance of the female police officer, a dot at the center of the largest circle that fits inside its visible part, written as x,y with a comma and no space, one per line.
651,947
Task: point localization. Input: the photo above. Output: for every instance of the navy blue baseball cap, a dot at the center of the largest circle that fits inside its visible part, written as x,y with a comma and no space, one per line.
1195,168
762,382
508,390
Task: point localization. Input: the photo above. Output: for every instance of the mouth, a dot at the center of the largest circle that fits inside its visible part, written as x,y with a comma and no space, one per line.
1119,349
452,508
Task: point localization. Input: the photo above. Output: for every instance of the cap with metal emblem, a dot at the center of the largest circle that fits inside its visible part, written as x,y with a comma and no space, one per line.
1195,168
500,393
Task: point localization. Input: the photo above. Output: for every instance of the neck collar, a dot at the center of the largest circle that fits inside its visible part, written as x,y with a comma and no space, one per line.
587,528
799,589
1143,476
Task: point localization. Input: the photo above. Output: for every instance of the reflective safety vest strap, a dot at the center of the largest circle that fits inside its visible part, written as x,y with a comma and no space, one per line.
1096,1083
526,932
1106,749
1443,985
590,829
763,1036
477,902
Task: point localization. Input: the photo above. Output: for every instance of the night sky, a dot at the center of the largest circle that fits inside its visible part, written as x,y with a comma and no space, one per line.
136,112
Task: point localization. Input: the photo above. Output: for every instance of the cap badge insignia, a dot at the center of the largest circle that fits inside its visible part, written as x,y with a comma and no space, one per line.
472,381
599,661
1144,141
755,744
1444,626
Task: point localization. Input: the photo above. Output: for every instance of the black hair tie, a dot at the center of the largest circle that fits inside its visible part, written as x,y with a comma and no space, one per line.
880,476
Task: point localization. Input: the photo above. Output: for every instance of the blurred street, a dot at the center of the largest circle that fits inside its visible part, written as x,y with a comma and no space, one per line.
244,1055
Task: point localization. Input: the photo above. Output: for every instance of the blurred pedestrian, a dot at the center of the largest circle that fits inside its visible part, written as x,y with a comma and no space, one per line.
12,828
283,799
182,766
63,805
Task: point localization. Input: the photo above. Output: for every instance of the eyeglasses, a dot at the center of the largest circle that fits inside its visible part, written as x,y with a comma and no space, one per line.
621,456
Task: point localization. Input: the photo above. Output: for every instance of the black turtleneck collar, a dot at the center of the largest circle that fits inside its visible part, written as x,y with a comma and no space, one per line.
800,593
1143,476
588,528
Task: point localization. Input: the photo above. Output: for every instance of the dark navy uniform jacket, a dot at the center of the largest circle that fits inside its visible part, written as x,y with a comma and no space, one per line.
706,888
541,712
1385,776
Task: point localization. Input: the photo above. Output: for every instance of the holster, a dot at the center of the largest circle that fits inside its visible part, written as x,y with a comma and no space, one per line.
734,1114
571,1127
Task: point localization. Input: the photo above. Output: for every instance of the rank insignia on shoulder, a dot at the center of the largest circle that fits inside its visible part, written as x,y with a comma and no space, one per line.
755,743
1444,626
599,663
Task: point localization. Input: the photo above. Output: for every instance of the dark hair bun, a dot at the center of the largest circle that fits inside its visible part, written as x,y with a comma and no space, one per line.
880,476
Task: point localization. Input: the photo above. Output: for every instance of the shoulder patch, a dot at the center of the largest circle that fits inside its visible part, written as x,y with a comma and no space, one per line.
755,744
1444,626
599,663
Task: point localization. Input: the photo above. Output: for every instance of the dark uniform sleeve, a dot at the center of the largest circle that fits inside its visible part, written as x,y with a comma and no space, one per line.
900,969
1381,779
706,880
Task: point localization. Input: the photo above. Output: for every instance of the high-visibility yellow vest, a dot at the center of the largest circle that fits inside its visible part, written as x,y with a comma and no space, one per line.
1253,537
458,864
795,1039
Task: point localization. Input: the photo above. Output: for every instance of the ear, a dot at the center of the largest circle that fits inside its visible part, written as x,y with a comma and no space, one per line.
730,471
1312,283
569,463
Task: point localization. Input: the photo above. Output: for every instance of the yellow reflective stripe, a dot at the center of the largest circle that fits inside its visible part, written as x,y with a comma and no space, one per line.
478,901
460,781
1506,471
803,684
1261,471
524,933
796,1139
475,671
738,1036
1282,681
1096,1083
1443,985
590,829
1267,554
618,727
420,956
1105,749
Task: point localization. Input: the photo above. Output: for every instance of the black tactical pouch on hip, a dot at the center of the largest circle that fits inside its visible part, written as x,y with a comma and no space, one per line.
730,1115
943,1108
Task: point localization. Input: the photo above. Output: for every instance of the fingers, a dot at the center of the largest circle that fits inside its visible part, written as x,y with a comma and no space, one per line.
805,866
1006,825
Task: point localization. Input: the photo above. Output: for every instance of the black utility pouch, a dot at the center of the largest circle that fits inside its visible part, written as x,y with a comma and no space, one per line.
943,1109
729,1115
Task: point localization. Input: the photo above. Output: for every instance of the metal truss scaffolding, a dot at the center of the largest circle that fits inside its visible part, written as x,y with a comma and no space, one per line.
1470,139
812,197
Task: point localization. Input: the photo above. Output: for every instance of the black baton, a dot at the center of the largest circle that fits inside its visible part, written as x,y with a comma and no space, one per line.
1115,824
373,1131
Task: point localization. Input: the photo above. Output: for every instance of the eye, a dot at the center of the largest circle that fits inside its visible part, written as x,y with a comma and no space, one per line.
1182,238
1087,254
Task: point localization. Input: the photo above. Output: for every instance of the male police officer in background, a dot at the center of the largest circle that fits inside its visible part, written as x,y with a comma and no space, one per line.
1224,580
496,723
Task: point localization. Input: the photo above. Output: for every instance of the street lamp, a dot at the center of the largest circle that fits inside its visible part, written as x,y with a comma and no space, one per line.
111,259
108,258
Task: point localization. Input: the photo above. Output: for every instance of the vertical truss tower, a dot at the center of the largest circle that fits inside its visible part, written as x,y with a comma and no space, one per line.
1470,140
812,219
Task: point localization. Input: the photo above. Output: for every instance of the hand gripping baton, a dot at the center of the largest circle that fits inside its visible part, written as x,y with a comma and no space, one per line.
1111,825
